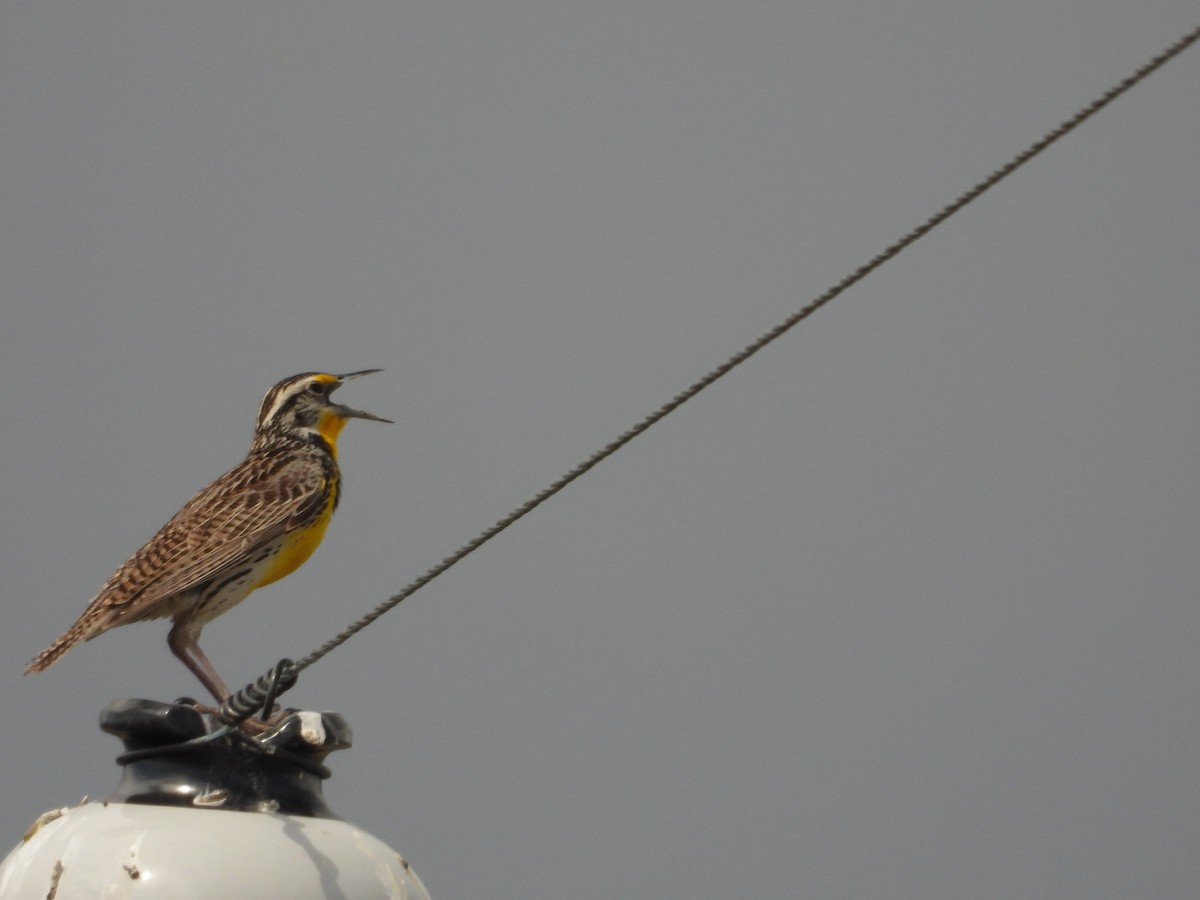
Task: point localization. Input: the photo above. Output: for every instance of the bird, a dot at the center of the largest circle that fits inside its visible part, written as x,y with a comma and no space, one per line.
252,526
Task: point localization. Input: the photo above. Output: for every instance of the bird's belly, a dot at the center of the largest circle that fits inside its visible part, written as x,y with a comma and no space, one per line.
294,550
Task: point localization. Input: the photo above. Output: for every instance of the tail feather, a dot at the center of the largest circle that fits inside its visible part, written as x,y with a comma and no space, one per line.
79,632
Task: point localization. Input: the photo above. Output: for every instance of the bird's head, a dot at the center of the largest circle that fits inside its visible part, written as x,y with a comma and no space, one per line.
302,404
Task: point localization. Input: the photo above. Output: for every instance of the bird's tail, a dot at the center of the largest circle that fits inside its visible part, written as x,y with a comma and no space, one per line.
78,632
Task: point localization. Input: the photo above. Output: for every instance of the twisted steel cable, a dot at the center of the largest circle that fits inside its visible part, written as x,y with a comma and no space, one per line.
286,679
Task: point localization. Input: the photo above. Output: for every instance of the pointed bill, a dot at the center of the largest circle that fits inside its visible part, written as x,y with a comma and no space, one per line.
350,412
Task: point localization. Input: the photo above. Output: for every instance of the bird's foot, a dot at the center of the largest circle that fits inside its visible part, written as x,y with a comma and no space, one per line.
251,727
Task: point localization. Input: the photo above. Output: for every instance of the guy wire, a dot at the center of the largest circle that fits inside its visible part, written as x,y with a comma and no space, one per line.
741,356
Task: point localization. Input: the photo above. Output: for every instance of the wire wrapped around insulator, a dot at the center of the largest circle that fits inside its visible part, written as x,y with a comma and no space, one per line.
261,694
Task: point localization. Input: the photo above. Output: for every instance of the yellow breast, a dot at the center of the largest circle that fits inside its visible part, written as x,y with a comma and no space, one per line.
297,547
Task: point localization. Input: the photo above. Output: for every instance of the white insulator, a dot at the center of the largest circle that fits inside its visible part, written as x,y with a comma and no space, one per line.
116,850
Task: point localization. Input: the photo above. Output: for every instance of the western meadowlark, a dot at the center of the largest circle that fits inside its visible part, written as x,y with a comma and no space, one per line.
255,524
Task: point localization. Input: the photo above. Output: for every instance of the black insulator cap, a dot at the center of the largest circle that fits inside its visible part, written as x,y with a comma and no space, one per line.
279,770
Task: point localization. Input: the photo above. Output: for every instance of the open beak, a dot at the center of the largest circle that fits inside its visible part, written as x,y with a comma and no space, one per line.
350,412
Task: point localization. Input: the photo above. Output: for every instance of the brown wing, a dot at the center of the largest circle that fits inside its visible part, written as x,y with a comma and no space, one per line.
247,508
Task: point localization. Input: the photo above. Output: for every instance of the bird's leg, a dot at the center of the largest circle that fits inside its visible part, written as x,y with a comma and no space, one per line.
183,644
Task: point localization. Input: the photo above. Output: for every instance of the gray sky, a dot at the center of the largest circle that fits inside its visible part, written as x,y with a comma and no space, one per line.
904,608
